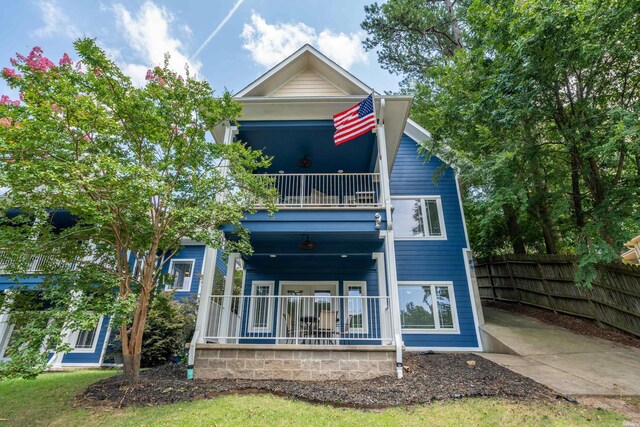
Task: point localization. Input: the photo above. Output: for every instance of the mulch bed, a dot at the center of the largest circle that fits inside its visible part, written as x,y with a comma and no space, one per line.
428,377
575,324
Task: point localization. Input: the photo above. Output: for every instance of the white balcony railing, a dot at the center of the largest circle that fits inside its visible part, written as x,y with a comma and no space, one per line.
327,189
297,319
35,263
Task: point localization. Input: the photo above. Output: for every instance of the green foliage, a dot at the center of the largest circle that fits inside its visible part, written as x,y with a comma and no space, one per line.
137,171
170,325
538,110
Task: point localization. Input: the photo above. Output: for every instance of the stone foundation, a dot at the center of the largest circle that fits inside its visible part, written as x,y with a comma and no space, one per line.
293,362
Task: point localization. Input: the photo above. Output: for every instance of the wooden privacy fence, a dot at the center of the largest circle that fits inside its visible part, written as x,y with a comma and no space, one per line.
548,281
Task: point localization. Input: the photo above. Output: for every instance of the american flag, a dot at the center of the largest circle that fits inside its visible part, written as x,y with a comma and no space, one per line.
354,121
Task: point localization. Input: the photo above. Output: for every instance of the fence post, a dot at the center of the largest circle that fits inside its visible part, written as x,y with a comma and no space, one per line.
514,285
552,303
493,289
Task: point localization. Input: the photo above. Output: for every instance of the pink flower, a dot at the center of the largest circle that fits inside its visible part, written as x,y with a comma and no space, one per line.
4,99
36,61
65,60
13,61
56,108
97,72
8,72
158,68
21,95
6,121
86,137
149,75
175,129
161,81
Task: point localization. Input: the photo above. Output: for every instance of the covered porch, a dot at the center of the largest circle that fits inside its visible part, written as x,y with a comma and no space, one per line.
305,289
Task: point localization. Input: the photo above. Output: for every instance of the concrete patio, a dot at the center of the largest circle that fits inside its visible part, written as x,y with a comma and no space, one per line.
558,358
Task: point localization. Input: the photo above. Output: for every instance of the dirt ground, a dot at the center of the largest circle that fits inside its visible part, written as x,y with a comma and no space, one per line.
578,325
427,377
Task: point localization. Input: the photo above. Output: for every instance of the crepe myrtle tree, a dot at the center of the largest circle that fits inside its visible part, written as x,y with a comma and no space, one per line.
132,171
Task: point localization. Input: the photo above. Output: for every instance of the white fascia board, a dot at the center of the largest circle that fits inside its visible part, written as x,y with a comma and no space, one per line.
293,57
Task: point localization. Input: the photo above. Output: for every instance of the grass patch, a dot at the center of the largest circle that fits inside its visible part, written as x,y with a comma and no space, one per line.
47,401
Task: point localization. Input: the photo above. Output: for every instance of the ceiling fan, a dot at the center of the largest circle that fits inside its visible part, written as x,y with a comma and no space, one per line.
307,245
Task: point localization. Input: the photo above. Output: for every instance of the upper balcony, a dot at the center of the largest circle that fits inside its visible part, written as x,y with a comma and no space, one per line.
309,171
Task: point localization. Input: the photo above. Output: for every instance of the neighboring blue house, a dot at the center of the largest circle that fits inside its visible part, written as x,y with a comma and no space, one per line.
366,257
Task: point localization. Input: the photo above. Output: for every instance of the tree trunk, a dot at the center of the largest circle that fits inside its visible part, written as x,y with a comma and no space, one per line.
455,27
517,242
131,363
132,339
576,195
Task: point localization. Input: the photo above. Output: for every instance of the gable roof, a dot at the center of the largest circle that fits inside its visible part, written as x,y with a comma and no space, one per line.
305,58
309,86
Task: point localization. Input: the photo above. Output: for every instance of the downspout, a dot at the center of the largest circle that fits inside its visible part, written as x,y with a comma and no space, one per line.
390,254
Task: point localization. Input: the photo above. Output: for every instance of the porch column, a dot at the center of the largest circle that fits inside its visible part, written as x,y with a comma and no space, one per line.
223,329
206,285
385,314
390,250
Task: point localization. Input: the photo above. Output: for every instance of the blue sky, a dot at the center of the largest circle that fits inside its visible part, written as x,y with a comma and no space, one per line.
255,35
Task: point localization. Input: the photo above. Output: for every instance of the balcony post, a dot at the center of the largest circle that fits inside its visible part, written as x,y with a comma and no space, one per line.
223,330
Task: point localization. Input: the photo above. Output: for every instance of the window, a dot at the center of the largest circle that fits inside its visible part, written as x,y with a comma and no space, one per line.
182,272
261,313
427,306
418,217
356,306
84,341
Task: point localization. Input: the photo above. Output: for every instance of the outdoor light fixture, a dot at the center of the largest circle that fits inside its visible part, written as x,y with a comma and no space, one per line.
304,162
343,256
340,171
280,171
272,256
307,245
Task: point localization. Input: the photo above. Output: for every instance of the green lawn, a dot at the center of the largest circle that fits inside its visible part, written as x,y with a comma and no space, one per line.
46,401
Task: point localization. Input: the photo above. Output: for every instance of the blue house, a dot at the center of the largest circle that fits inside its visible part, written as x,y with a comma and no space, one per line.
366,258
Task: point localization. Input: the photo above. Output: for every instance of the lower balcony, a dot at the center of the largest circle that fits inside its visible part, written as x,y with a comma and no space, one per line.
318,320
327,190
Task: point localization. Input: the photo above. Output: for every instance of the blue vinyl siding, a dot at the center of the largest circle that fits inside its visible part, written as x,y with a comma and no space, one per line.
434,260
82,358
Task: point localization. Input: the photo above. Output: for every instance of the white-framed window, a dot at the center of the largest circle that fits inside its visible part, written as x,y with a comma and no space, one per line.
428,307
418,217
262,302
85,341
355,308
181,270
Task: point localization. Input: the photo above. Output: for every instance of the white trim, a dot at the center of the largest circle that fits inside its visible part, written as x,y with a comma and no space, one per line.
293,57
464,221
362,284
476,309
73,339
82,365
5,336
193,267
105,342
270,301
436,318
425,219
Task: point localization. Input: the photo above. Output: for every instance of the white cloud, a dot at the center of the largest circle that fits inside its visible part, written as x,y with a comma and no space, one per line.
148,33
55,21
271,43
